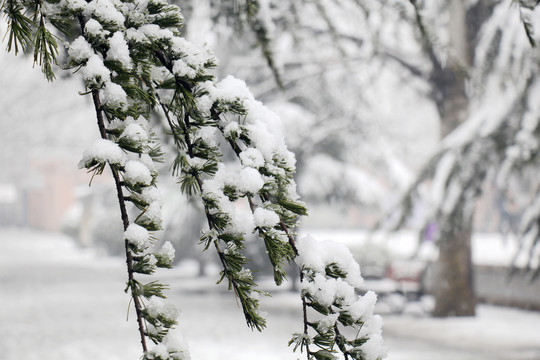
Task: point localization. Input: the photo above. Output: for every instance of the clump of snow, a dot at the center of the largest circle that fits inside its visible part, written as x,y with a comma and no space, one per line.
114,96
229,89
160,308
173,347
152,215
158,352
80,50
119,50
137,236
338,293
250,181
231,130
134,132
167,252
326,291
154,32
106,12
137,173
327,322
94,29
252,157
204,104
182,69
103,151
136,36
374,348
74,5
364,306
151,194
319,254
193,56
95,72
265,217
177,345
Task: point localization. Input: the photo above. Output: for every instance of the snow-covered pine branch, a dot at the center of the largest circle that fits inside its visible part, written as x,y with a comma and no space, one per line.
133,61
329,277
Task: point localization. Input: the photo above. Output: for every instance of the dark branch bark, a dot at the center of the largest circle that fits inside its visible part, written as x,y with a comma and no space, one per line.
304,316
125,221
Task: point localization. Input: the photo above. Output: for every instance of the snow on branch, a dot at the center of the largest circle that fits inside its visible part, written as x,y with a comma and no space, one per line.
134,64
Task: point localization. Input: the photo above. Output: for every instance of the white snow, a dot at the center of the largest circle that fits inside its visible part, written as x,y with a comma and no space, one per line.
230,130
319,254
265,217
137,236
152,214
75,5
151,194
208,135
173,347
372,348
181,68
119,50
177,345
327,291
103,151
80,50
158,307
95,72
252,157
230,89
134,132
364,306
167,251
137,173
94,28
106,12
250,181
114,96
152,31
159,351
49,267
148,162
193,56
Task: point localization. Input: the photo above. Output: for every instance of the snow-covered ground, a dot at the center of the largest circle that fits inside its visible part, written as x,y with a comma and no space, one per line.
60,302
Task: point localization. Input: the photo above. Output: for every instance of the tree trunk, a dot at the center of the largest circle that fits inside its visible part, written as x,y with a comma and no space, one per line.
455,294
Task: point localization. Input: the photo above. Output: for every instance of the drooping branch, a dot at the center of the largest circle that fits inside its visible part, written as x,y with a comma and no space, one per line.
125,222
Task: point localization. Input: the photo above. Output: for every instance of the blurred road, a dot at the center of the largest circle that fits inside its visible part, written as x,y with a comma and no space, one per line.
59,302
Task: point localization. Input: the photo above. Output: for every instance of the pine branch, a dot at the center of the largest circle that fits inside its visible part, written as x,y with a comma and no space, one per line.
232,265
283,226
19,26
45,49
125,222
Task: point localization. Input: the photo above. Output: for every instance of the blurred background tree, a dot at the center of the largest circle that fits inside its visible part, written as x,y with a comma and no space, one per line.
375,86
